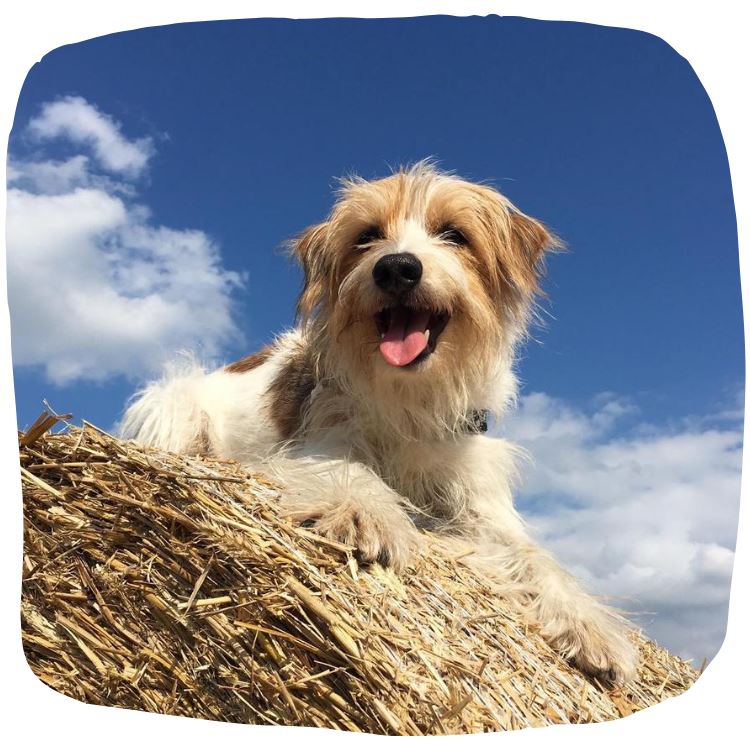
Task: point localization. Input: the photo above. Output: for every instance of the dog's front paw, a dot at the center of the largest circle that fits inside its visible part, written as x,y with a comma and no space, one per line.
388,538
610,657
598,646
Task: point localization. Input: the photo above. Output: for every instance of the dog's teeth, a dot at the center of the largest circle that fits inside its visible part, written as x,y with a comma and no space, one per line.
427,333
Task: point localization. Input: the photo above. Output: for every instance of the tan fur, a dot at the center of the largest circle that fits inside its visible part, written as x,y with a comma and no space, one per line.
290,391
251,361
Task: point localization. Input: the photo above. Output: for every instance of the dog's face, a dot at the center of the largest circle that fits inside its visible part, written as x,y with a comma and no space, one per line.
420,274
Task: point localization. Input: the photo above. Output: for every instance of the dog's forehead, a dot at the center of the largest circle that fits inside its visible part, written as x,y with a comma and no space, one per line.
427,197
411,233
417,190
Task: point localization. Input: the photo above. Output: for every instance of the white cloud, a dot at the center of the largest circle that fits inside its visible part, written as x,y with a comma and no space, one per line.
51,177
95,288
647,516
77,121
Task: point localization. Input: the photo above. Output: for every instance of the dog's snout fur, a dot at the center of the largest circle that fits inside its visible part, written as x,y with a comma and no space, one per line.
397,273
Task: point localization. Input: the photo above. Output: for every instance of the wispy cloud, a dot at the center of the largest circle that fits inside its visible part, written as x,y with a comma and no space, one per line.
646,515
74,119
96,288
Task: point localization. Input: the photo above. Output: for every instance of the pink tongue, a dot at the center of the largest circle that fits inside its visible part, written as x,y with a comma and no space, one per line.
406,337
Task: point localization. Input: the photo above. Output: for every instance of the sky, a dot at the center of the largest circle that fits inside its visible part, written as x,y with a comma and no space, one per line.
155,175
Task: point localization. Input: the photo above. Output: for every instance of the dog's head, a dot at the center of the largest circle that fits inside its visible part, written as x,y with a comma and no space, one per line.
420,275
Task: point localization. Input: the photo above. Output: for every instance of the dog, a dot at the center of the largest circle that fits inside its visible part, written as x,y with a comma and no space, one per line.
371,412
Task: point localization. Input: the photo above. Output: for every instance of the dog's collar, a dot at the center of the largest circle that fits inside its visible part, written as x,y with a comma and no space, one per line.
476,421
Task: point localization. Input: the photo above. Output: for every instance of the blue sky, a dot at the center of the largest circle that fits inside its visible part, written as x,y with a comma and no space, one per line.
241,127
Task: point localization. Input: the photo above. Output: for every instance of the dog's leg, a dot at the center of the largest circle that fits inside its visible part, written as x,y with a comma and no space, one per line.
581,628
349,503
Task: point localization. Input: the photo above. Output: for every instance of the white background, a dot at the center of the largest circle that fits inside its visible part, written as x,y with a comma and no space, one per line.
711,37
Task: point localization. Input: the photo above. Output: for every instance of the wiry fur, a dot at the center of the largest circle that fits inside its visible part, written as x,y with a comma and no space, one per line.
368,451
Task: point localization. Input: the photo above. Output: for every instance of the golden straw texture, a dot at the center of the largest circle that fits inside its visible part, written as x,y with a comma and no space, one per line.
170,584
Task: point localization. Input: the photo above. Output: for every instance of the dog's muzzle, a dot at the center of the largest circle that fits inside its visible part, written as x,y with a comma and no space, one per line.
408,333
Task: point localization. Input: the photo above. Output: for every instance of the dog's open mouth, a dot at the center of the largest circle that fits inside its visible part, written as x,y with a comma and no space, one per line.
409,335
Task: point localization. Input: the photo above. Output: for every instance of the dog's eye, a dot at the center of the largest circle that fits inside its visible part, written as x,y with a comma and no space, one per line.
368,236
451,235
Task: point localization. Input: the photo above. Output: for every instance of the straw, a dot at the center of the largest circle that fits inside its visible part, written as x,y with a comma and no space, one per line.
170,584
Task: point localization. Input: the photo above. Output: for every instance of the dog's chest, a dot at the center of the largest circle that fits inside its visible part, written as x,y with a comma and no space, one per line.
426,473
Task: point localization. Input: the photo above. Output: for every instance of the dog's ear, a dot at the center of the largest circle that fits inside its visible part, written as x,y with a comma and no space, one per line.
529,240
310,250
517,241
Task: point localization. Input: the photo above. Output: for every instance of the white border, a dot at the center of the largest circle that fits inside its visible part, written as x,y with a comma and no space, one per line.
712,38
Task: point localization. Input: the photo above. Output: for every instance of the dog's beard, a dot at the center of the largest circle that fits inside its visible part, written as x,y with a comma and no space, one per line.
430,395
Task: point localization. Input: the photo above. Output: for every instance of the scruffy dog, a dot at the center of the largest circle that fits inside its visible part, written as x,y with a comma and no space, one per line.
417,289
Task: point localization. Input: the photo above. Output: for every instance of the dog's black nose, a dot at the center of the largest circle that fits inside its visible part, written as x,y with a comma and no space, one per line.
397,273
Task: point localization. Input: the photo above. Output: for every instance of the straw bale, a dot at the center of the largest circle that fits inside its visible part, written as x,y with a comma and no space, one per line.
170,584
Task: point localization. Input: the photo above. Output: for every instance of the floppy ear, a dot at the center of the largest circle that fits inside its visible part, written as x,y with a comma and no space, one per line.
529,240
309,249
518,241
